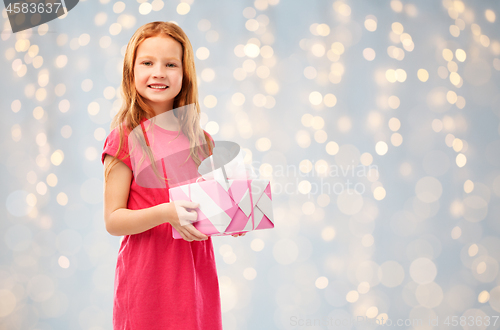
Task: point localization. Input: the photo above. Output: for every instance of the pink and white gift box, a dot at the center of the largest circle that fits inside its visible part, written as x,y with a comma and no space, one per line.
228,207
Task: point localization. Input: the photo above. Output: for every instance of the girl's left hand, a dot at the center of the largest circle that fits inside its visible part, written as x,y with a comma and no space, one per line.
236,235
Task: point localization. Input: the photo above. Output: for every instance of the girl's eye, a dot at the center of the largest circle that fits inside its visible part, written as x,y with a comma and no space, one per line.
171,65
146,63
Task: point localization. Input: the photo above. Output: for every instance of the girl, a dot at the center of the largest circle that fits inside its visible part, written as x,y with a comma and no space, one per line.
160,282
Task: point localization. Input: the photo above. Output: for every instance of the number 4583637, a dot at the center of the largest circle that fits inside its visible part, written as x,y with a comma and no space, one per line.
471,320
32,8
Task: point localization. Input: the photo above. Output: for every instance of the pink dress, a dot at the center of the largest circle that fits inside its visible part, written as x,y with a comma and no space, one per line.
160,282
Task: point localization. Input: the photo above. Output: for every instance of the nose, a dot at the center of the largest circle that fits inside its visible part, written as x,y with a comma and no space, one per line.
159,71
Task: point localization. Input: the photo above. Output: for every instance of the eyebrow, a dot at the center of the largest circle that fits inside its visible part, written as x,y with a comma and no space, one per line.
168,58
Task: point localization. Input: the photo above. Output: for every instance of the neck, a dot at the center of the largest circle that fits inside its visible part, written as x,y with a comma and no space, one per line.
167,120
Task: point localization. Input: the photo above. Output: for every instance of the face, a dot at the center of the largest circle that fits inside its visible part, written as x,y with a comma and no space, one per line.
158,72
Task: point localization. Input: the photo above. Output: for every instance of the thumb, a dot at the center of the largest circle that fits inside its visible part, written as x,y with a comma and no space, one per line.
192,205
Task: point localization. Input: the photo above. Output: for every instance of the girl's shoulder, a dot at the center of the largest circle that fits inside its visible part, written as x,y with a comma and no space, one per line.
116,144
210,136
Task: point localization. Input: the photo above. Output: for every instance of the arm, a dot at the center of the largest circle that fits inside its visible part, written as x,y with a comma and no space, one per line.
121,221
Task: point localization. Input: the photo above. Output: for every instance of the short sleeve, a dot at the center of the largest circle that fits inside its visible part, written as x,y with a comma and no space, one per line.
211,138
111,147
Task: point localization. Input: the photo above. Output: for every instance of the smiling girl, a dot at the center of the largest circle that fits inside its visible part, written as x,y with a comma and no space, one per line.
160,282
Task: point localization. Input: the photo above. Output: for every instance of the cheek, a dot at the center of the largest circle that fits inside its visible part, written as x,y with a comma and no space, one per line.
178,77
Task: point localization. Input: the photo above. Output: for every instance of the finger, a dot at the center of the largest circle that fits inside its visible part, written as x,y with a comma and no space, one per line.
187,236
184,222
195,233
189,204
192,215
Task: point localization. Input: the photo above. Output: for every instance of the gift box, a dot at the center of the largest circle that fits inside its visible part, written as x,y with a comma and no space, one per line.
246,205
232,200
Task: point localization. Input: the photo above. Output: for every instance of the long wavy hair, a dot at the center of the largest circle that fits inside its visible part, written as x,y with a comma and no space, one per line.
134,107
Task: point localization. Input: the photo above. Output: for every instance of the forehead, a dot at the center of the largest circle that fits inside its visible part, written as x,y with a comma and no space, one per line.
160,46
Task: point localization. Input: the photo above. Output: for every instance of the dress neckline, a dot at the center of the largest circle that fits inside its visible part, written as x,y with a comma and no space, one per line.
159,127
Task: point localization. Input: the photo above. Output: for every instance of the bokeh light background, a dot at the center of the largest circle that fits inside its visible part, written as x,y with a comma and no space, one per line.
407,93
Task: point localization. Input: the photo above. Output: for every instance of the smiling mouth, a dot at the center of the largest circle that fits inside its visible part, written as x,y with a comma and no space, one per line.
158,86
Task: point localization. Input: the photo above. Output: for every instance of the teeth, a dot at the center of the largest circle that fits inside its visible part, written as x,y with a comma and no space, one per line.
158,87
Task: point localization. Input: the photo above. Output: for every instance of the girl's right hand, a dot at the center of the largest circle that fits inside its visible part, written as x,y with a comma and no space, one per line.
181,218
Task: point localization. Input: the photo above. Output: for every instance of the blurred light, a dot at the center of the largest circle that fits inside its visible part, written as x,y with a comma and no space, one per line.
317,122
369,54
394,102
461,160
212,127
208,75
456,232
64,106
303,138
251,50
304,187
447,54
66,131
100,19
423,270
344,124
332,148
210,101
363,287
249,273
371,312
145,8
321,282
272,87
9,302
394,124
91,153
367,240
318,50
381,148
305,166
87,85
51,180
330,100
371,23
379,193
428,189
397,28
320,136
118,7
397,6
263,144
63,262
490,15
16,132
202,53
483,297
315,98
468,186
328,233
257,244
57,157
460,55
41,188
249,12
352,296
